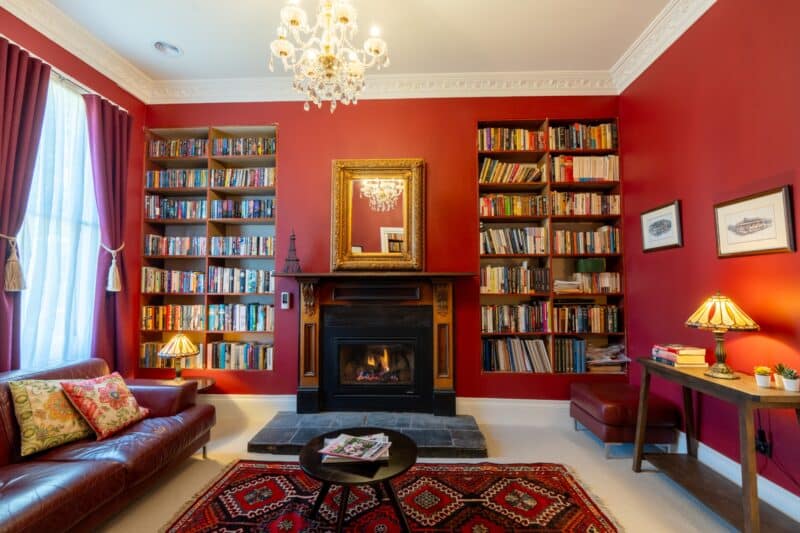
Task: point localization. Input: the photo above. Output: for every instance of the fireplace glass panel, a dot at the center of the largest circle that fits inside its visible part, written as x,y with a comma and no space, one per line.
376,364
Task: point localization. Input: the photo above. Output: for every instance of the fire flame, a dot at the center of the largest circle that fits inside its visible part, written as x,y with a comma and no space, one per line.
385,360
370,360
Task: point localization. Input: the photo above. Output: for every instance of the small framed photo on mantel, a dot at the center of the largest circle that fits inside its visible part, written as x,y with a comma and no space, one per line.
761,223
661,227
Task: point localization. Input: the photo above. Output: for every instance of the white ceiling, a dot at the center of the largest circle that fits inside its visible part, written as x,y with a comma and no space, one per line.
437,47
230,38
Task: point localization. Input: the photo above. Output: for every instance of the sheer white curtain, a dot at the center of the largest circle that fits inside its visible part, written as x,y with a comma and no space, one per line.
59,238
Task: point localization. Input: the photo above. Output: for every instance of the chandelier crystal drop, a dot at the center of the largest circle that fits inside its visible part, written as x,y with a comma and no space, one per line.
381,193
322,59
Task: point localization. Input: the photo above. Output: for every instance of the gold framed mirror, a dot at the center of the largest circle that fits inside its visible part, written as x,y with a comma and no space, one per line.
377,214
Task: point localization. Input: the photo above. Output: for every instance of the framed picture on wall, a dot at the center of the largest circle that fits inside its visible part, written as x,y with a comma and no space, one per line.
761,223
661,227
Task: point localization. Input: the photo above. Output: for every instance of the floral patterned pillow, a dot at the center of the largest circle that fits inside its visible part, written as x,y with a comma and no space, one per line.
105,402
46,418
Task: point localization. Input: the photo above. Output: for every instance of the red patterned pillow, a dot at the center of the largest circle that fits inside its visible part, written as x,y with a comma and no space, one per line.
105,403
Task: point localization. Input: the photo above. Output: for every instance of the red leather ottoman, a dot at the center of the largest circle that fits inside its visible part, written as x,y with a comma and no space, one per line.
609,411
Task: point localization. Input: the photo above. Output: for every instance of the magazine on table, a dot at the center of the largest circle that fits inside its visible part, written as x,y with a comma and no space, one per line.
348,448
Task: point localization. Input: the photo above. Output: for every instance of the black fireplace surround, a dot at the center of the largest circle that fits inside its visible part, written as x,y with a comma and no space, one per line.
377,358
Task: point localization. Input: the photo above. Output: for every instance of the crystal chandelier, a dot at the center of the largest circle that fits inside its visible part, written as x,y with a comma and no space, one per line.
381,193
324,63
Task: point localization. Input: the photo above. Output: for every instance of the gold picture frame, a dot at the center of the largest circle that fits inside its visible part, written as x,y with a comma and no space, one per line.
373,198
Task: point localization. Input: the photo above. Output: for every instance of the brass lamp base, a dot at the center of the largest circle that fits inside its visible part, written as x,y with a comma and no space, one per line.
721,371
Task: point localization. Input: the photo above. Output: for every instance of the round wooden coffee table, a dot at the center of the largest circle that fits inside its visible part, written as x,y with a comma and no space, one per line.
402,456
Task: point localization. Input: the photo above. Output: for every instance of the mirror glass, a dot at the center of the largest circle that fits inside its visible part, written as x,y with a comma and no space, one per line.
377,219
377,223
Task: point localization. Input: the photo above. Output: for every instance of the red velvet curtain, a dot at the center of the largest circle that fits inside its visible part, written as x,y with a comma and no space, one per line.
109,143
23,94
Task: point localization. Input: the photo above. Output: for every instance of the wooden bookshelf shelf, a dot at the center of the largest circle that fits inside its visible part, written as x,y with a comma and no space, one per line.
552,143
199,173
242,221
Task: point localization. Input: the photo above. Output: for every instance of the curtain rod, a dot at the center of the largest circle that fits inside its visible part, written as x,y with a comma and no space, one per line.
61,76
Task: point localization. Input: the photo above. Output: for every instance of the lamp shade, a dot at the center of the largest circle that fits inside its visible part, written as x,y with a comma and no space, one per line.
719,313
179,346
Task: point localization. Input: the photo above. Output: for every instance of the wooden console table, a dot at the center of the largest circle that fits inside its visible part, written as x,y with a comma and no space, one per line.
739,506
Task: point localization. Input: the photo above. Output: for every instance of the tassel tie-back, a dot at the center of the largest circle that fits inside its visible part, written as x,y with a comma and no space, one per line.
14,281
114,283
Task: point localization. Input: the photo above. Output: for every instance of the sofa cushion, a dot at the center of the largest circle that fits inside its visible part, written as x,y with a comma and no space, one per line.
45,416
617,404
40,496
144,447
105,402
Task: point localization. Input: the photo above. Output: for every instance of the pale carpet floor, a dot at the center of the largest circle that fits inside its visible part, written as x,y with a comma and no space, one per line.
646,502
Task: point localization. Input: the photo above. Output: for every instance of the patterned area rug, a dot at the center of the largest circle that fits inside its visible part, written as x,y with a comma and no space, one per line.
476,498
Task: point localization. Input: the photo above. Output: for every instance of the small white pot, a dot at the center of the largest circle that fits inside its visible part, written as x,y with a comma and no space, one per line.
778,380
762,381
792,385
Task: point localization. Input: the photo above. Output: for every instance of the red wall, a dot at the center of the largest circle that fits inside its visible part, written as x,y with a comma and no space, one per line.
715,118
42,47
365,230
443,133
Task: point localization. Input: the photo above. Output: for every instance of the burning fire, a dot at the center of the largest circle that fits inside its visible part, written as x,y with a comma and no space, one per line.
384,360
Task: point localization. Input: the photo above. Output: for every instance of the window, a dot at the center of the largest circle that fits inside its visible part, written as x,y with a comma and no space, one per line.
59,238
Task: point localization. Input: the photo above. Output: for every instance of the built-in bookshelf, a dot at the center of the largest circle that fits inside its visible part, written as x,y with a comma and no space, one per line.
551,273
208,250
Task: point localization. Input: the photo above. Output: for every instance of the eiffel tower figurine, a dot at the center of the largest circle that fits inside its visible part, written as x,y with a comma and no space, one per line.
292,263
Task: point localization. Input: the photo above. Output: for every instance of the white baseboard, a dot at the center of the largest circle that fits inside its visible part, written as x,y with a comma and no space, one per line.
513,412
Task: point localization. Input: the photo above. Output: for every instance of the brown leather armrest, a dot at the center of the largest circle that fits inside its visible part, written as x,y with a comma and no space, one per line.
164,400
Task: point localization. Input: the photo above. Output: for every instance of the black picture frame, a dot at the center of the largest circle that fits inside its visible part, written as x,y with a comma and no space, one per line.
661,227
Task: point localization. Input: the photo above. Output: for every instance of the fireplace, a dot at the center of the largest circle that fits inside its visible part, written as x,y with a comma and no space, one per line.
376,341
377,358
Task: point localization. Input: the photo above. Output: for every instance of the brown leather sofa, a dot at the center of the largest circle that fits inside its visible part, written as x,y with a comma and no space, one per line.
81,484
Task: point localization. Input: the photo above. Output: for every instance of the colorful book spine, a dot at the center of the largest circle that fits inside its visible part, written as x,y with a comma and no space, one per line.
492,205
603,240
243,208
241,317
494,171
568,169
177,246
157,280
513,240
243,245
239,355
240,281
243,146
176,178
579,136
178,148
243,177
510,139
571,203
159,208
522,318
514,279
513,354
173,318
587,318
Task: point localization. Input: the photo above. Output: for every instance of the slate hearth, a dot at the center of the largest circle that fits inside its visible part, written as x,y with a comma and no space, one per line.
436,436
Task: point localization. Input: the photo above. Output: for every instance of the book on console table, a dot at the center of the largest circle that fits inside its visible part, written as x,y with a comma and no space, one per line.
672,362
349,449
679,354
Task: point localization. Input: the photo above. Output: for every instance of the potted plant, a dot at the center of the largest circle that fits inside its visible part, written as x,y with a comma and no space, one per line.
779,369
762,374
791,381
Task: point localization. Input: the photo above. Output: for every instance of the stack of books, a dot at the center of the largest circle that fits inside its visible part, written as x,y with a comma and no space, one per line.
349,449
679,355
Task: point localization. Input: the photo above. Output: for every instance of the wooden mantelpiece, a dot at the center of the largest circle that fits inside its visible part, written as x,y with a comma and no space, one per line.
320,289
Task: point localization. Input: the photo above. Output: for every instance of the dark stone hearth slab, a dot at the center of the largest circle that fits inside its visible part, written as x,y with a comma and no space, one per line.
436,436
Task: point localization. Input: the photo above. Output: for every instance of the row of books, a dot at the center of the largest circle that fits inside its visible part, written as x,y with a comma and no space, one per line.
603,240
241,317
514,279
679,355
178,245
585,203
173,317
583,137
243,245
219,355
569,355
510,139
178,148
513,240
532,317
149,358
157,207
491,205
494,171
242,208
161,280
243,177
513,354
240,280
175,178
567,168
578,318
244,146
584,282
